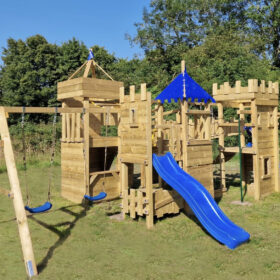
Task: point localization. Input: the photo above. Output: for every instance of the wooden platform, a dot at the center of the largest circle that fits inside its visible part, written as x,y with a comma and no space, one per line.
88,88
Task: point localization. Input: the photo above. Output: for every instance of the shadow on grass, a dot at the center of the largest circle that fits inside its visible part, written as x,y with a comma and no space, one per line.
62,234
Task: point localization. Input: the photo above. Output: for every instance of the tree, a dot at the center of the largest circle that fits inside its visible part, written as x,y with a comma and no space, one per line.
264,20
71,55
29,72
230,60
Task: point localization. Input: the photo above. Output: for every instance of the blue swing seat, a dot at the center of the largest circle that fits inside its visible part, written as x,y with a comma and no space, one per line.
43,208
100,196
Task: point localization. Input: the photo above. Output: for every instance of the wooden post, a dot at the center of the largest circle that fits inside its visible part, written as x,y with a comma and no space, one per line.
185,120
124,187
149,166
208,123
160,134
86,141
254,120
276,148
221,146
23,228
242,121
63,125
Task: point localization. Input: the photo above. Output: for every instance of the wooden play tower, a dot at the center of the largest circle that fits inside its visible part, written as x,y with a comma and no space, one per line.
144,129
87,153
257,107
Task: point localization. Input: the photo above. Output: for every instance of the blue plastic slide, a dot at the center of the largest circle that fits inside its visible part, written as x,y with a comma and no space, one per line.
200,201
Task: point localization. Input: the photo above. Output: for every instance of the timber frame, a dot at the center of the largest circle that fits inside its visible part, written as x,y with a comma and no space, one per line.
257,107
92,162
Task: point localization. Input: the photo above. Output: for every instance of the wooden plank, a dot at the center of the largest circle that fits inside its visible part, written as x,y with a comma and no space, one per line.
104,172
228,124
222,144
132,93
198,112
256,165
132,204
73,127
125,202
86,142
170,112
78,128
140,202
103,142
63,125
245,150
143,92
149,167
276,148
246,112
198,142
124,187
88,66
91,88
137,158
267,102
237,87
165,201
25,237
68,127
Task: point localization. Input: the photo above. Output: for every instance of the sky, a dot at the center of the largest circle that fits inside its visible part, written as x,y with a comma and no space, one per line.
94,22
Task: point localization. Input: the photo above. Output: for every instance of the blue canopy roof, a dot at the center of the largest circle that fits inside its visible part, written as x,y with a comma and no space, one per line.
175,90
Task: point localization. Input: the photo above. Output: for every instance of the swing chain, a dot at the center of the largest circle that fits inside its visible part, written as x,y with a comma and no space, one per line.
52,153
24,155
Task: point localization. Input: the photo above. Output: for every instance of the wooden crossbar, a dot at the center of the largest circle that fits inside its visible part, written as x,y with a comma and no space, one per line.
52,110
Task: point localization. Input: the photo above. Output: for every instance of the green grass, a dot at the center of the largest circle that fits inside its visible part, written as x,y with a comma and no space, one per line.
70,243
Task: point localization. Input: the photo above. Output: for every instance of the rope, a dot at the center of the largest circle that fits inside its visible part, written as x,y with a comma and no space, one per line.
24,156
52,154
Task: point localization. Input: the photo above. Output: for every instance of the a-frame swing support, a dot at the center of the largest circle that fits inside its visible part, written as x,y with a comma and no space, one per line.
20,213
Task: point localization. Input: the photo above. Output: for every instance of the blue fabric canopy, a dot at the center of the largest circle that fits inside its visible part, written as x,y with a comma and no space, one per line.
175,90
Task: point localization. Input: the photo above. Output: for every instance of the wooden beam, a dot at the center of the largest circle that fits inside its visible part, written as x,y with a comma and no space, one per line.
170,112
256,164
124,188
51,110
276,149
149,166
77,71
198,112
166,201
25,238
86,141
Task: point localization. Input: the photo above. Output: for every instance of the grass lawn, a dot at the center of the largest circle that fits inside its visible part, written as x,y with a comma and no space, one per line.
71,243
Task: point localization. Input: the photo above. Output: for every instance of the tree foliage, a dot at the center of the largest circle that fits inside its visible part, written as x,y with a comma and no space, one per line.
29,73
221,40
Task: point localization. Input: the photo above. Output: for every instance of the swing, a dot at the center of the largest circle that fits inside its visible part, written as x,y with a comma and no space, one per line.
102,194
47,205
